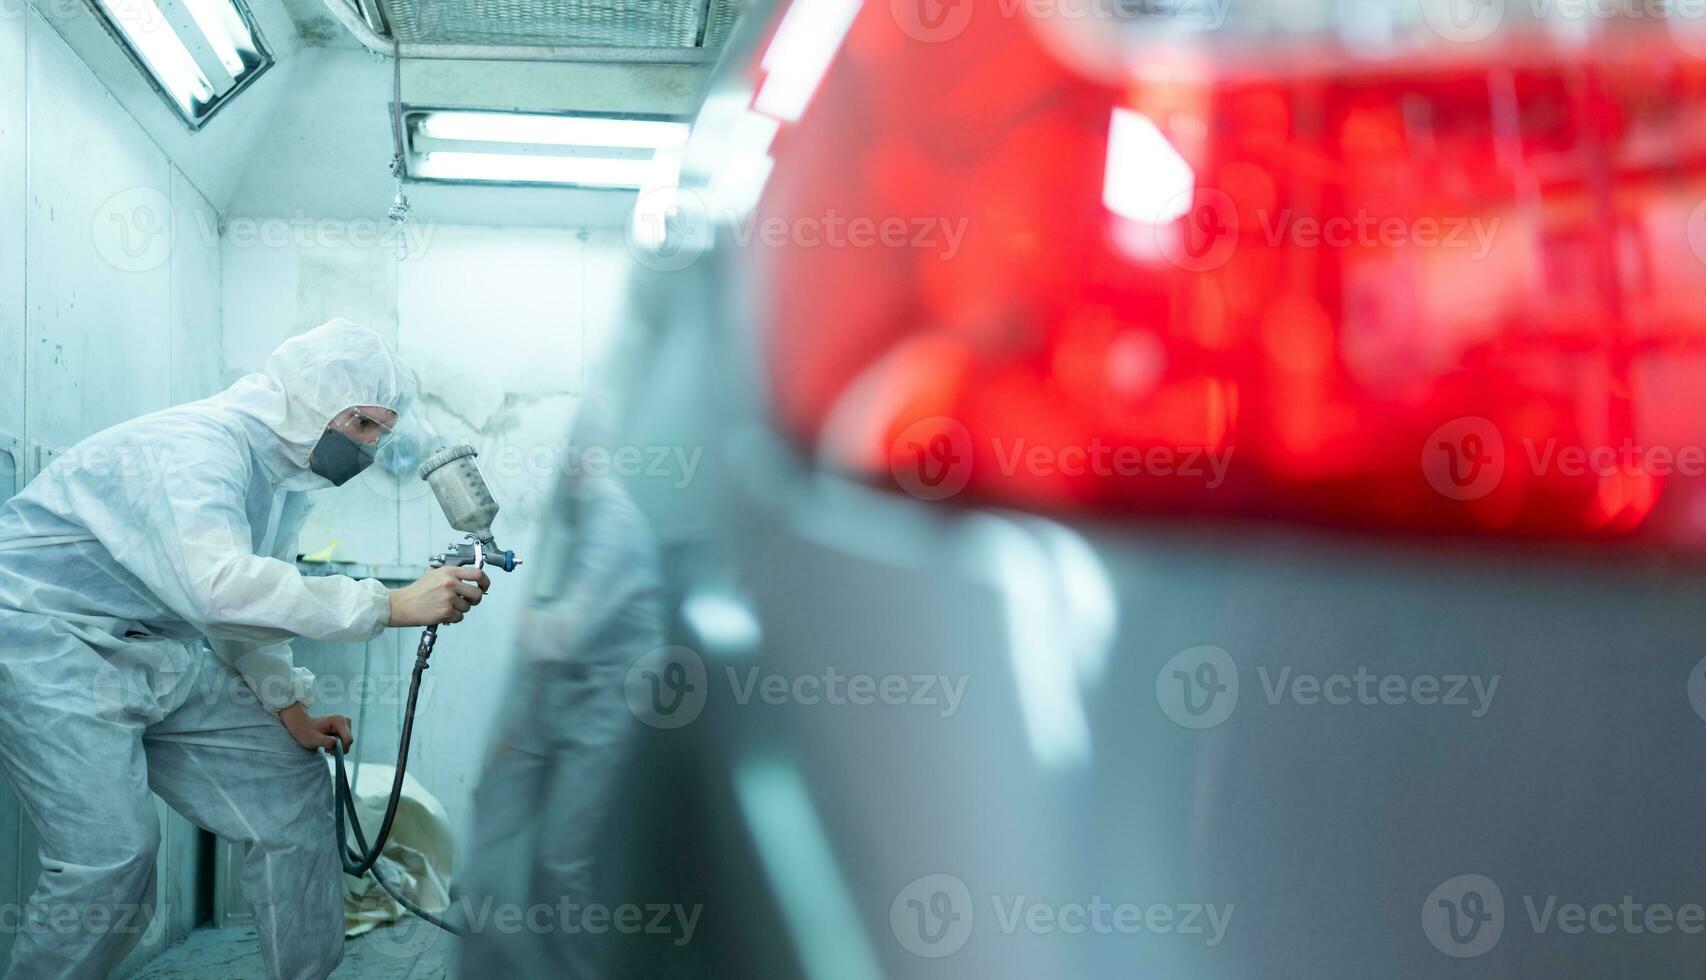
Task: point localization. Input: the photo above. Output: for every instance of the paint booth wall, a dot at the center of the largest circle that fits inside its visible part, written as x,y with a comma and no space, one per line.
103,316
505,329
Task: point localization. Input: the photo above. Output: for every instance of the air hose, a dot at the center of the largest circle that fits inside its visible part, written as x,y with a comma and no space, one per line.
364,860
468,505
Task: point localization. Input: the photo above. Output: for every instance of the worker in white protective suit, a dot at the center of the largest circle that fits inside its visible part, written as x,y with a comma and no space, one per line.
147,603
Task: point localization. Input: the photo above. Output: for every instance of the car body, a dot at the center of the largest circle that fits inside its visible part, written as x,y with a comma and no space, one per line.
1340,716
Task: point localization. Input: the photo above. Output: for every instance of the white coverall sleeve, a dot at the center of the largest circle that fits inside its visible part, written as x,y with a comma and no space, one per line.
269,669
190,542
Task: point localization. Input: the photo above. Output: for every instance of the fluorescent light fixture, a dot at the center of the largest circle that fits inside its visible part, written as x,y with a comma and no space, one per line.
614,152
1146,179
739,182
145,27
198,53
519,127
225,31
806,42
752,134
523,168
660,198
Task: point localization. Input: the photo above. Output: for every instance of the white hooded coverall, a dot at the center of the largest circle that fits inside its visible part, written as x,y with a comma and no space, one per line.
115,563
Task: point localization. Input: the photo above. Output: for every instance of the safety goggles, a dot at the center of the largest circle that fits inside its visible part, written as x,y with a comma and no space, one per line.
365,429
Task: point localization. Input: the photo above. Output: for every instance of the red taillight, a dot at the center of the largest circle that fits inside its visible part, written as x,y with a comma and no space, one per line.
1431,293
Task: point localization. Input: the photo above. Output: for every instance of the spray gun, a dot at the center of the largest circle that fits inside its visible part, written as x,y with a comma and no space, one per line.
468,505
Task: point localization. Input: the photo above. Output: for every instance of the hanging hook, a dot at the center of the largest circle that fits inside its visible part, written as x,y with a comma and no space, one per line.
399,211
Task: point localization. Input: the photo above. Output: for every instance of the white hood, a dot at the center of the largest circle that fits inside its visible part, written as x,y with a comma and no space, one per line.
307,382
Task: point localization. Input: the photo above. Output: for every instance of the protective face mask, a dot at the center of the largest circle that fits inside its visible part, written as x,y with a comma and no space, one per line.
339,458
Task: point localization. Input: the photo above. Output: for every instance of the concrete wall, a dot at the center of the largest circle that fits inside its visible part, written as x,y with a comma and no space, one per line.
105,314
501,325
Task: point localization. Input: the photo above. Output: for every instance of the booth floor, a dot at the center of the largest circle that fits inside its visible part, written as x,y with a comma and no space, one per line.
408,951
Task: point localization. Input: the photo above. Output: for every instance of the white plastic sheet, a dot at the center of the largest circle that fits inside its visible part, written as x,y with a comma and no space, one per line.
418,860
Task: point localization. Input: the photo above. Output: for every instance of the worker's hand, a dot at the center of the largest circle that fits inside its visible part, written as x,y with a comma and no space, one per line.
316,733
442,595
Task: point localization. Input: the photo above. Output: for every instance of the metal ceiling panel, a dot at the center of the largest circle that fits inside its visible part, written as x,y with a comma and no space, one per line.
720,17
593,23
